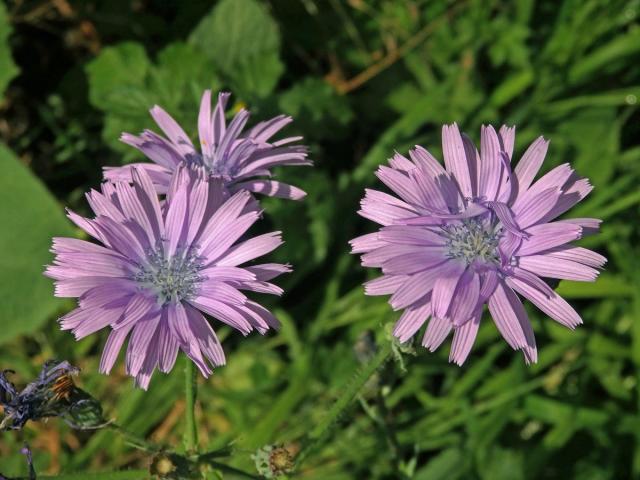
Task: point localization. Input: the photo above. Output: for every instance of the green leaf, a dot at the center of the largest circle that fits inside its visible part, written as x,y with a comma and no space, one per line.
317,107
447,465
612,98
398,132
620,47
125,84
503,464
512,87
258,76
243,41
606,286
8,69
556,412
594,135
29,217
123,475
116,74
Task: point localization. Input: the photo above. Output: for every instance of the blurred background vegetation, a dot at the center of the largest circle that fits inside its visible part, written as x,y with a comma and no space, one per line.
362,79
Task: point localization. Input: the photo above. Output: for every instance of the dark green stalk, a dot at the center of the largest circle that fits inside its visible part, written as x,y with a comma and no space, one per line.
349,393
191,391
134,440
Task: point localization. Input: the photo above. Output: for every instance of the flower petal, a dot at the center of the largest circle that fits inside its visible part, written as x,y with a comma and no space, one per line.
444,289
491,168
512,322
455,159
272,188
463,338
172,130
556,307
550,267
548,235
437,331
205,125
530,163
411,320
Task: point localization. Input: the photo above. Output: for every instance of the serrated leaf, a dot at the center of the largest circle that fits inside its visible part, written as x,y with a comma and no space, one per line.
29,216
241,38
125,84
317,107
117,73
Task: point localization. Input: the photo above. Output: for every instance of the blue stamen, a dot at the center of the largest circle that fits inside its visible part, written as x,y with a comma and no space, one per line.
473,240
171,279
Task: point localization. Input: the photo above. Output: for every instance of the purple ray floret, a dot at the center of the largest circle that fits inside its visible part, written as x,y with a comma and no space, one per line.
242,160
160,267
472,233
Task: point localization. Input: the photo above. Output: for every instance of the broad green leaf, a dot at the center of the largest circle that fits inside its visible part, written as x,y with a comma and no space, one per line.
124,83
8,69
317,108
115,75
29,217
243,42
257,76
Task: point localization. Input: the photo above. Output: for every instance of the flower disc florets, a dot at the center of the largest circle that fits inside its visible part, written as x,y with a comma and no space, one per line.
172,279
473,240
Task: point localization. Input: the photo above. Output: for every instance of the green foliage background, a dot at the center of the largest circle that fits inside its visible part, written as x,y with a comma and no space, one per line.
362,79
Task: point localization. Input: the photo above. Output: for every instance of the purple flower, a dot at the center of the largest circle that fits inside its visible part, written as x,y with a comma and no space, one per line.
226,153
476,232
160,267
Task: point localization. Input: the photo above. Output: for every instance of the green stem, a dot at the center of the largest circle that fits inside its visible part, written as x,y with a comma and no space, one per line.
135,440
388,429
233,471
190,391
349,393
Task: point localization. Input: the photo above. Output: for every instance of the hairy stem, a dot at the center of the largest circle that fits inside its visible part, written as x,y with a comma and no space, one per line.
190,393
349,393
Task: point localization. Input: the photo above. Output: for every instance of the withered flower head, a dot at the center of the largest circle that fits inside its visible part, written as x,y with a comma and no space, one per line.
52,394
273,461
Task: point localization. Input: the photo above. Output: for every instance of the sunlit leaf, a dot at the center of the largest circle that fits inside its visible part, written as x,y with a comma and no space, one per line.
29,217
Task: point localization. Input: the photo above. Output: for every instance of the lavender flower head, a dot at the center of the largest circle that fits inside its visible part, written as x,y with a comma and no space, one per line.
476,232
159,268
237,158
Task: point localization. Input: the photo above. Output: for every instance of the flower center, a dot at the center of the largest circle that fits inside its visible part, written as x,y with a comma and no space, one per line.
473,240
171,279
